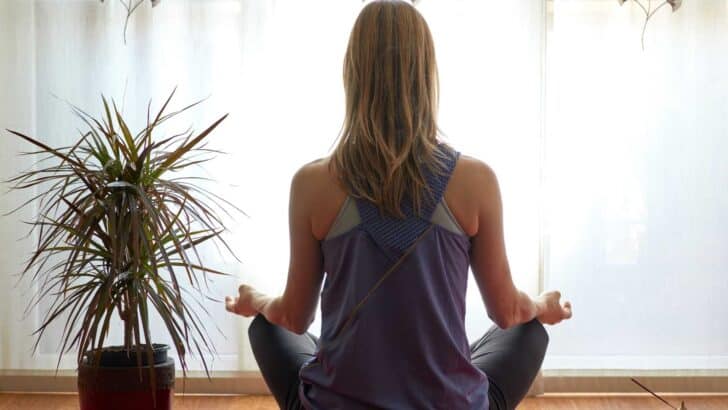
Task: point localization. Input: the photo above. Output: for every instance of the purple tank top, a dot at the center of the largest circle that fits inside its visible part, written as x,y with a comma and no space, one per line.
406,348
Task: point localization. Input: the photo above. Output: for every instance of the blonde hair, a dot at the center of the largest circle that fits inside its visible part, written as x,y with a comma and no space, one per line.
390,129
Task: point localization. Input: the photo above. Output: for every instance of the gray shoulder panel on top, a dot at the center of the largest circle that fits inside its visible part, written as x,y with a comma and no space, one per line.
347,219
443,217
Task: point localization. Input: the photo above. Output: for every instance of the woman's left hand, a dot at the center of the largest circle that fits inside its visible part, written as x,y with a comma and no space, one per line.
243,303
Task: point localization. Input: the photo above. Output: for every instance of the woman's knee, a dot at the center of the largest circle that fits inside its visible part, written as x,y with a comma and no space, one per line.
535,335
258,328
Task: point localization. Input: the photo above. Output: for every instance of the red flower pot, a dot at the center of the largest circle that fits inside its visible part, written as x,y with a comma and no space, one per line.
118,382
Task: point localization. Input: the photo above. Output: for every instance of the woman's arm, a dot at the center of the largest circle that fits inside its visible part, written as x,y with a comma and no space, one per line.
506,305
296,308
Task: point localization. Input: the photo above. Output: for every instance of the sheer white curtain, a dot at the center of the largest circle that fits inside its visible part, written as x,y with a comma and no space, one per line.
17,76
621,204
636,176
275,66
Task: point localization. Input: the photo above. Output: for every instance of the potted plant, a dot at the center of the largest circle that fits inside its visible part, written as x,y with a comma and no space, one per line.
118,235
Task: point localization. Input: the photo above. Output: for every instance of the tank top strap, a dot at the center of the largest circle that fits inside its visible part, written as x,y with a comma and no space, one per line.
437,181
395,235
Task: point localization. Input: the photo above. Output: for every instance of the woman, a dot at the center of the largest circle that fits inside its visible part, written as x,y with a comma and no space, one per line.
395,218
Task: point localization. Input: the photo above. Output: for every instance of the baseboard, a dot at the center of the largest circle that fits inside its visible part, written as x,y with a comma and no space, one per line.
618,381
549,382
195,382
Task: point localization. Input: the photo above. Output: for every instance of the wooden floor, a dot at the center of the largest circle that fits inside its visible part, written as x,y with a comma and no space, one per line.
9,401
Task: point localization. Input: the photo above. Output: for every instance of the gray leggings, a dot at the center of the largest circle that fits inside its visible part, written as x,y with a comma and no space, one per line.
510,358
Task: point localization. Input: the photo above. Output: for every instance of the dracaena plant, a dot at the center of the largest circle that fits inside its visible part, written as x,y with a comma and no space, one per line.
651,8
118,233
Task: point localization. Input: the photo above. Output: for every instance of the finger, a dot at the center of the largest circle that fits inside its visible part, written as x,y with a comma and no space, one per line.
567,310
243,289
229,304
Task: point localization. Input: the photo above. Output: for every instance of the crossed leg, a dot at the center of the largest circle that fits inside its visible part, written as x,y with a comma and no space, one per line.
511,359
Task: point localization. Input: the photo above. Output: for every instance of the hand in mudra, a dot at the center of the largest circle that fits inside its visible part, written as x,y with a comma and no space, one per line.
243,303
553,311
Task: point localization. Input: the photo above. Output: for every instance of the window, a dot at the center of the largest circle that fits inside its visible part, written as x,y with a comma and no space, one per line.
609,158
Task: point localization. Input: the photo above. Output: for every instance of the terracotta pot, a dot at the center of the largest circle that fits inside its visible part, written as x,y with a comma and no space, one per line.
117,383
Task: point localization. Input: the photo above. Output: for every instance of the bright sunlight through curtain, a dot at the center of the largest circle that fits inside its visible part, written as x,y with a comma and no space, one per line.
275,66
636,177
609,158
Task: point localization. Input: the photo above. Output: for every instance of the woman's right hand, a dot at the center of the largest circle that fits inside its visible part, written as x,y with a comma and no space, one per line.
550,309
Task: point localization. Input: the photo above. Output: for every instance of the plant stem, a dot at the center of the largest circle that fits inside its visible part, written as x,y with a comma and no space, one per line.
129,11
649,13
658,9
639,3
644,27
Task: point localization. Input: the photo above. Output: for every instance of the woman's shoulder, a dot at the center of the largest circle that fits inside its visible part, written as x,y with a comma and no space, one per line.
315,175
472,186
320,193
473,172
313,168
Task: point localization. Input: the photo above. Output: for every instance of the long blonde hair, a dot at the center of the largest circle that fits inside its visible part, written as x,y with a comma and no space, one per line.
390,129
